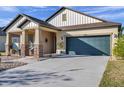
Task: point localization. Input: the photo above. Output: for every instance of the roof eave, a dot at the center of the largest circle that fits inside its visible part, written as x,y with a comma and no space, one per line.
55,13
50,27
91,27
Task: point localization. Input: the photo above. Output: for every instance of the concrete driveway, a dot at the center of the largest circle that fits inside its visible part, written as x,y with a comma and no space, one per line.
57,72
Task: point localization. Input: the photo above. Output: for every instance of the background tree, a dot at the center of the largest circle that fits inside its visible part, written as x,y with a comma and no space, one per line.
119,47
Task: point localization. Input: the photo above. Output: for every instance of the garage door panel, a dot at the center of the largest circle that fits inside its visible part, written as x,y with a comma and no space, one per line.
93,45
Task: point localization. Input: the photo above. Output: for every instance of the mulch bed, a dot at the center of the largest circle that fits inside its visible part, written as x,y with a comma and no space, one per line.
9,65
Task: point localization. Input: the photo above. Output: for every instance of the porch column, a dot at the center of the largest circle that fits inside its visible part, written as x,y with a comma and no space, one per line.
38,47
7,45
23,44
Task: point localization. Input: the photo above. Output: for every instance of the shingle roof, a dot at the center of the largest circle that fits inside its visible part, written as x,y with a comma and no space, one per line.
104,23
41,22
2,33
88,26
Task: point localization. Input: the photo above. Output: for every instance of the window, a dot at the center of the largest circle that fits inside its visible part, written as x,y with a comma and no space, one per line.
64,17
15,40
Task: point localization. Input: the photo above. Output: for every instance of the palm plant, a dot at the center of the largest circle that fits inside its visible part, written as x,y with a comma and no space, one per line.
121,30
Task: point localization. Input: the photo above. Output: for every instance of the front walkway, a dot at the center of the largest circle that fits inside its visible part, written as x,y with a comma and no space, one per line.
57,72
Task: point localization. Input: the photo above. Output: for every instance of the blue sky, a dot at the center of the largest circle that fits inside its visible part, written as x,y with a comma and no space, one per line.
111,13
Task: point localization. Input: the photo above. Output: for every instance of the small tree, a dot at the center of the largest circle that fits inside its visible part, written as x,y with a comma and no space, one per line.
119,47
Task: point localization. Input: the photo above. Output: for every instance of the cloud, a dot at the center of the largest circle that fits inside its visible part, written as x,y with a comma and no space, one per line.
105,12
43,8
5,21
9,8
33,9
40,7
111,15
103,9
67,6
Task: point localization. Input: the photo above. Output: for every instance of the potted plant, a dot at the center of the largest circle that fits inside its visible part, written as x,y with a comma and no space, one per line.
60,47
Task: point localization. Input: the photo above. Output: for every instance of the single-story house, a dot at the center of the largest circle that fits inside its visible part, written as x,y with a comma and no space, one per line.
66,31
2,39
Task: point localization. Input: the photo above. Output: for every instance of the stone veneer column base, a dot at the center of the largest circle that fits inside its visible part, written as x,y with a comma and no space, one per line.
38,50
7,47
24,50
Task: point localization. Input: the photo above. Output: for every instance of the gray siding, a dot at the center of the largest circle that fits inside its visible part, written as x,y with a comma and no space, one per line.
2,43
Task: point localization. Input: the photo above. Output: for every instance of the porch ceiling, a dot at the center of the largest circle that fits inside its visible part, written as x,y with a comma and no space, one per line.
30,31
48,29
15,33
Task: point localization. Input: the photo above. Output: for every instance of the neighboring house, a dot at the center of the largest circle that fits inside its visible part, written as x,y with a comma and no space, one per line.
2,39
66,31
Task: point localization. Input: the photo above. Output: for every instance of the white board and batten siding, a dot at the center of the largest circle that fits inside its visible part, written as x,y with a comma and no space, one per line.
30,25
73,18
14,27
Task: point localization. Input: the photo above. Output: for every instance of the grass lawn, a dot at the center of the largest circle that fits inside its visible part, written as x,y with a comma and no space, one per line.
2,53
114,75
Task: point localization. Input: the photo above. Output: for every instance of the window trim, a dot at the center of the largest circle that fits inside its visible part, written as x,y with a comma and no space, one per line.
64,17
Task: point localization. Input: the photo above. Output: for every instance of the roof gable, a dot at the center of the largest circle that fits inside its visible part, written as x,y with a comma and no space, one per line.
63,8
12,22
72,18
18,22
25,22
20,19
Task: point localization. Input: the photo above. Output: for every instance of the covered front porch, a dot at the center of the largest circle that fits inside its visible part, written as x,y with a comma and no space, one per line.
31,42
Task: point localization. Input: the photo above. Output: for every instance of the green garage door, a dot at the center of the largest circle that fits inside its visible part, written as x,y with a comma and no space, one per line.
88,45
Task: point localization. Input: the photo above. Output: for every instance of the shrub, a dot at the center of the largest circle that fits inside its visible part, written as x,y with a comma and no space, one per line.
119,47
